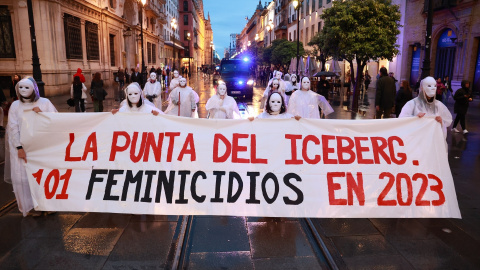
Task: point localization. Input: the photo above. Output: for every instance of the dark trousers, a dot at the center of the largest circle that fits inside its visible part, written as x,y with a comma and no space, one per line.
460,117
79,105
386,112
98,105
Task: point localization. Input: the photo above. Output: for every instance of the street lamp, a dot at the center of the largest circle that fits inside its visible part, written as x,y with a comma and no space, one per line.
189,56
173,23
269,29
144,68
296,5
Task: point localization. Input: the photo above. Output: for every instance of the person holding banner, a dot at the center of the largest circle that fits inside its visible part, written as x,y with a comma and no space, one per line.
183,100
28,100
136,102
275,108
305,102
427,105
221,105
153,90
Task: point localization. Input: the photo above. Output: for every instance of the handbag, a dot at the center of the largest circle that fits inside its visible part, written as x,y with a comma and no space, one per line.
70,102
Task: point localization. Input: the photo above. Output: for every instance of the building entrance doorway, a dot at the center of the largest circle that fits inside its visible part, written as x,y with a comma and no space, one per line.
446,49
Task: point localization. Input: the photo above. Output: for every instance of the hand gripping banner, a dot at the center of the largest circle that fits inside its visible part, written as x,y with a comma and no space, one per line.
145,164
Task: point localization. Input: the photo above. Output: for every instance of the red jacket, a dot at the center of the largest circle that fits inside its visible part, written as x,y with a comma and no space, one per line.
79,74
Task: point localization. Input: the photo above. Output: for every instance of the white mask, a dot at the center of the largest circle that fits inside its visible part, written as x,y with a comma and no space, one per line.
306,84
25,88
293,78
275,84
429,86
275,103
278,75
222,89
176,74
133,94
153,76
183,82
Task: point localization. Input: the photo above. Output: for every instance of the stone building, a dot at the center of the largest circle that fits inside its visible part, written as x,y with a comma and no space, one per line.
455,41
93,35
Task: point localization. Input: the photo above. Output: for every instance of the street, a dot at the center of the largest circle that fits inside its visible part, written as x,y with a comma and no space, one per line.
68,240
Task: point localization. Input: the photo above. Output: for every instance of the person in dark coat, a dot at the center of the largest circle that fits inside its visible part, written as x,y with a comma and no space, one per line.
403,96
323,87
97,92
462,99
385,96
13,92
136,77
368,80
127,76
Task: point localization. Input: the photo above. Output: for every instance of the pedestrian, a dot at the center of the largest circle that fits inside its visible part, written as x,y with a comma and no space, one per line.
152,69
15,172
385,96
164,76
78,94
462,98
127,76
137,76
182,100
175,81
121,77
97,92
323,87
305,102
79,74
448,89
221,105
440,89
153,91
135,101
425,104
368,80
403,96
13,93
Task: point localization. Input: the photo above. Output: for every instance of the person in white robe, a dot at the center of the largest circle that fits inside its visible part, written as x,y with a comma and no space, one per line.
282,86
182,100
305,102
276,108
221,105
136,102
425,104
153,91
28,100
274,86
175,81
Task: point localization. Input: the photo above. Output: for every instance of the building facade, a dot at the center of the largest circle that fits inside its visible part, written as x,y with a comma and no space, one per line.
95,36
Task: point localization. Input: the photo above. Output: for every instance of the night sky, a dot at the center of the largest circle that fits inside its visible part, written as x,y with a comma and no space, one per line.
228,17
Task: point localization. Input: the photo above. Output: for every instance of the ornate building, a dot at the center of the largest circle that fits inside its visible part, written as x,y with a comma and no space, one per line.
93,35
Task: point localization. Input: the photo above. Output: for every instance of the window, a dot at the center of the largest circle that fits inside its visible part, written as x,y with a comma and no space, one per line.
7,46
328,1
301,34
91,36
295,35
185,34
113,3
154,54
185,5
306,36
319,26
290,36
320,3
313,5
313,31
112,50
149,52
73,37
185,19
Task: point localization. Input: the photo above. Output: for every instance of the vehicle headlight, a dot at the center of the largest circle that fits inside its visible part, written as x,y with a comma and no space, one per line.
240,82
250,82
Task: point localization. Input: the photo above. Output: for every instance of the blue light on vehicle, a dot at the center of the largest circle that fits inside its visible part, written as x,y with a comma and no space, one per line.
240,82
246,59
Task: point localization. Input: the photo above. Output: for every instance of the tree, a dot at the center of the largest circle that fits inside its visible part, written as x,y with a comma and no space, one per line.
281,52
359,30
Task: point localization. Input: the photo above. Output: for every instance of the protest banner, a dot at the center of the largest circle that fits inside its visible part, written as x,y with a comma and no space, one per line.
145,164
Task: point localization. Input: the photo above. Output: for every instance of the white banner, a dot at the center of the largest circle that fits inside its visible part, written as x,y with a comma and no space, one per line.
145,164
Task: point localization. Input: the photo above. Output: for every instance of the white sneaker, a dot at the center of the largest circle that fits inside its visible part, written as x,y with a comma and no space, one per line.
455,130
465,131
